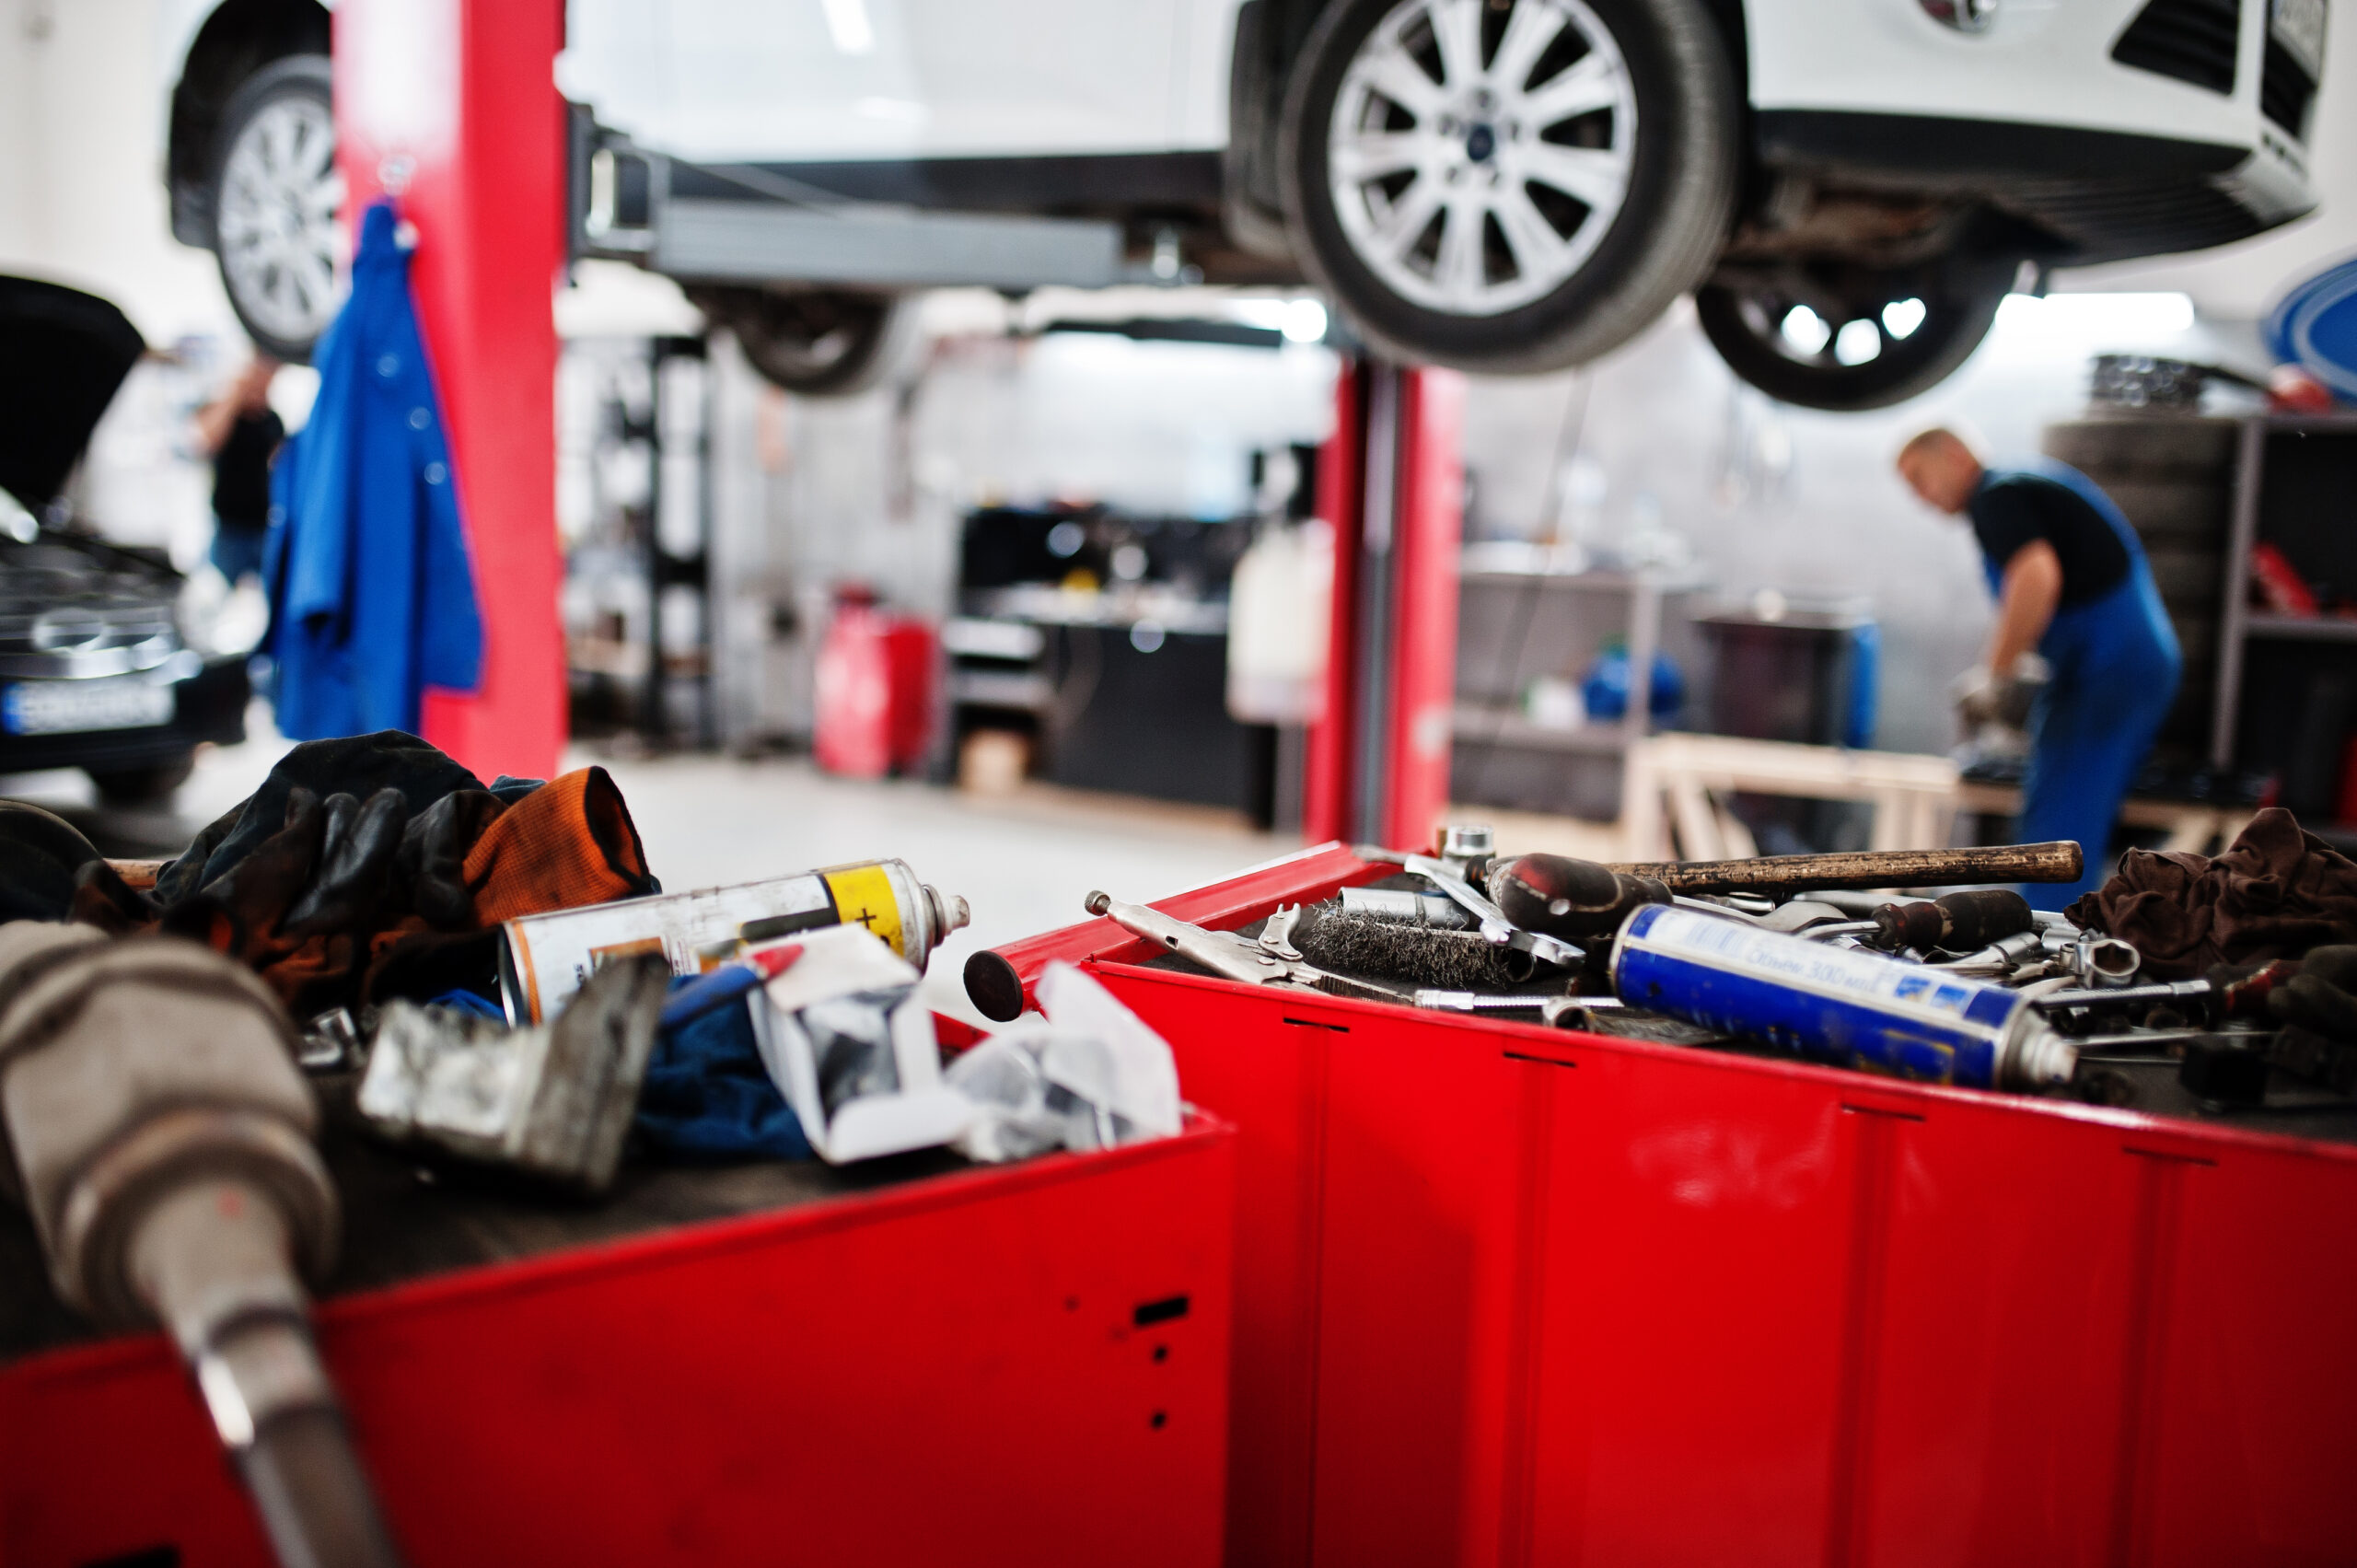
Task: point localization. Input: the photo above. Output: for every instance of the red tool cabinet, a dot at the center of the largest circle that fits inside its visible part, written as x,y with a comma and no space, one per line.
1022,1365
1516,1296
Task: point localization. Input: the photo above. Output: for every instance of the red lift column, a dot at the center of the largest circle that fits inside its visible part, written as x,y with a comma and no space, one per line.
1392,483
455,102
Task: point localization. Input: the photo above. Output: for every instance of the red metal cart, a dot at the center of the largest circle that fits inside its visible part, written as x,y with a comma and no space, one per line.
1516,1296
1022,1365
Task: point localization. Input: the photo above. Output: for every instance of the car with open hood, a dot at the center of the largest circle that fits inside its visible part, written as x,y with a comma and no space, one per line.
99,667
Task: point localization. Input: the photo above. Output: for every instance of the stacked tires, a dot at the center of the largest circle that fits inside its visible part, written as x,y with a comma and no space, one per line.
2173,475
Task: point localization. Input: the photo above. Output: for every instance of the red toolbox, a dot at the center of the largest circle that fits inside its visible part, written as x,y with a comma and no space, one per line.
916,1363
1516,1296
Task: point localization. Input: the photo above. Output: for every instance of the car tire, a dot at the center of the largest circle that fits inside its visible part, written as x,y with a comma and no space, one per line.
151,785
819,343
1468,254
1749,321
275,196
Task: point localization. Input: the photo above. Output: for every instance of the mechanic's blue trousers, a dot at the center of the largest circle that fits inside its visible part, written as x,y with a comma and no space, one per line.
2116,665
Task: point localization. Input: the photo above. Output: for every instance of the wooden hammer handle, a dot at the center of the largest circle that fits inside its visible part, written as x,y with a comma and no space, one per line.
2059,861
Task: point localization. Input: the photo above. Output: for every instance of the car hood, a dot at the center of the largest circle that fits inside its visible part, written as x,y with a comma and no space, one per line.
63,353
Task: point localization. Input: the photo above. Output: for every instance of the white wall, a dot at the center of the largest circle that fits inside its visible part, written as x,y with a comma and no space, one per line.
82,202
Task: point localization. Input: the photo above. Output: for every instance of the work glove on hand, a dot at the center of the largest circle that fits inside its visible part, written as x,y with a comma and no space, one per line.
1979,698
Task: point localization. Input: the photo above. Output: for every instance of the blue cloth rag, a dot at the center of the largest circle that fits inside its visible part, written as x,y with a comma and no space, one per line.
708,1099
372,596
473,1001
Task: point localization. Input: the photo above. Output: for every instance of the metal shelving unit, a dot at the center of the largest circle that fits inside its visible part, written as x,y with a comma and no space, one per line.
1647,592
2238,625
1580,770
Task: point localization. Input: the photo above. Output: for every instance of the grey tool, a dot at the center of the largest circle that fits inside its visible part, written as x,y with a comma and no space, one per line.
1276,933
1488,919
1552,1011
1227,954
2187,991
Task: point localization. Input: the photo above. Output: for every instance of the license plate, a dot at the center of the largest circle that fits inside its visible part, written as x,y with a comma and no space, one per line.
2298,26
67,707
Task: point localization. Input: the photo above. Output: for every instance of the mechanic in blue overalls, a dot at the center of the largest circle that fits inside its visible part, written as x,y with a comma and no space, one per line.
2072,584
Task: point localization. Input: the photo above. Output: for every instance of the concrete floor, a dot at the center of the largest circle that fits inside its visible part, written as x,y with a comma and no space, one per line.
1023,861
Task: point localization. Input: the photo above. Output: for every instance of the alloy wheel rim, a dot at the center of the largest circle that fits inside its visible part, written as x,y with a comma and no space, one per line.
1833,336
280,193
1475,156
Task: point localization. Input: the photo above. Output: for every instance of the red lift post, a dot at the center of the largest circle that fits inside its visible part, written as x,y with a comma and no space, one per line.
454,104
1392,483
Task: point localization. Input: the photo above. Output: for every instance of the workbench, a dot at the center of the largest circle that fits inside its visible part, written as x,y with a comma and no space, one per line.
911,1361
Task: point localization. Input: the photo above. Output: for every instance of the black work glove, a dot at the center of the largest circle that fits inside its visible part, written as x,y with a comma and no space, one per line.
324,872
238,910
357,853
2322,998
431,869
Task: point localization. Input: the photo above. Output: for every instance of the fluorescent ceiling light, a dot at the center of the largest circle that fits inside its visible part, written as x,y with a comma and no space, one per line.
2137,315
847,23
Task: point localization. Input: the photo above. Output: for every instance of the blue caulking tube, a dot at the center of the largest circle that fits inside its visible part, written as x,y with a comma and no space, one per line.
1910,1019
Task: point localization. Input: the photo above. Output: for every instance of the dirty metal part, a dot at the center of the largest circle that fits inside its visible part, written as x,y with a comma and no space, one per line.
2056,862
330,1042
553,1101
160,1134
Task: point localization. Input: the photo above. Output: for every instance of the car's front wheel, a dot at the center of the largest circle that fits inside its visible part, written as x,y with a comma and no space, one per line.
1509,185
275,193
1845,338
820,343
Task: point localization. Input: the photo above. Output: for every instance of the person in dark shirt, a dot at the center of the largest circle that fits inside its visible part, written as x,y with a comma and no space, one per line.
2071,585
241,434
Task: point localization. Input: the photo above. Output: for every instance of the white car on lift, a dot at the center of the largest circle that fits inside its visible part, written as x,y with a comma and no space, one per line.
1848,187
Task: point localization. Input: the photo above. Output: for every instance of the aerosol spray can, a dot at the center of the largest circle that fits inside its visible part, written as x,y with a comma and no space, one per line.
1910,1019
543,958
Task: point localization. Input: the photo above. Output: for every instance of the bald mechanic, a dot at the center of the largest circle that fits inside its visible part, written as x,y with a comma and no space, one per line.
2071,583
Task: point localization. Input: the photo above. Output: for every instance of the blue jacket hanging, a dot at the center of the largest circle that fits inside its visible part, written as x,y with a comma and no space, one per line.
372,596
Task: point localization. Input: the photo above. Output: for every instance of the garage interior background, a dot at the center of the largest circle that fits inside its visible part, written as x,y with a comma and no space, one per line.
1656,442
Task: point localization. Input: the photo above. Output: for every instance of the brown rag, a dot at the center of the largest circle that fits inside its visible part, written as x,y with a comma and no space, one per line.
2275,893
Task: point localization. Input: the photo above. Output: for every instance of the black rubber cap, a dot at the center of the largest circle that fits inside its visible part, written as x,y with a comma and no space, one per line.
2224,1075
992,986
